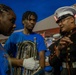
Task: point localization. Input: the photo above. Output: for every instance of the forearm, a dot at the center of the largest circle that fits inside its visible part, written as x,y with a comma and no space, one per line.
42,59
16,62
29,63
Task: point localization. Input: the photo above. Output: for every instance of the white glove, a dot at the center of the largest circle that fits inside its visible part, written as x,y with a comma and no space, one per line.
30,64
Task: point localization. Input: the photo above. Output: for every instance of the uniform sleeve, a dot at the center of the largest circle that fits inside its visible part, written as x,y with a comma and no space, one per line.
53,58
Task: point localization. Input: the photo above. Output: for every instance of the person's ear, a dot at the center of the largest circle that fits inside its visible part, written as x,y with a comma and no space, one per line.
72,20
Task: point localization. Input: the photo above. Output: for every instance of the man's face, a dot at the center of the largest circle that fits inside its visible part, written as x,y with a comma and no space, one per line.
30,22
7,23
65,24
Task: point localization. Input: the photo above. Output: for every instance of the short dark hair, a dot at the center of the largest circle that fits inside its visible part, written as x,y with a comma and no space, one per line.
4,8
29,13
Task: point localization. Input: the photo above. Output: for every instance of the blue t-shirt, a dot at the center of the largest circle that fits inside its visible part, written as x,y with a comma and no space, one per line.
15,45
18,37
4,63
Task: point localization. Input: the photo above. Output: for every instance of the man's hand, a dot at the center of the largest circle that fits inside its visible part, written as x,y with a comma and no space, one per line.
30,64
64,42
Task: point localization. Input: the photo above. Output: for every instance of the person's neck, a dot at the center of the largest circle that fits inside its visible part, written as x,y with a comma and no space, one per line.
25,31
